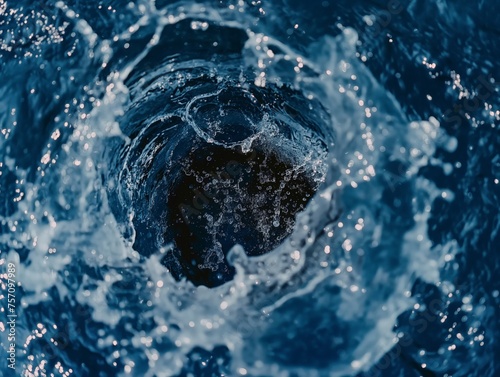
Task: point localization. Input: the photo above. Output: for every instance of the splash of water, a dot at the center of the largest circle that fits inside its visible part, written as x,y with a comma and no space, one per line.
158,112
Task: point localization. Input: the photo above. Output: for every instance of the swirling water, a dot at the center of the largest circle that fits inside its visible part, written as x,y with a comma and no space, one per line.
261,188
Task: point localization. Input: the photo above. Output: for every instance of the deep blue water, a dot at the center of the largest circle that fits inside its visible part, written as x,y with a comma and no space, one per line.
259,188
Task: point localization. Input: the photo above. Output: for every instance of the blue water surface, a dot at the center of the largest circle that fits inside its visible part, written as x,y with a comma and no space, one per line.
249,188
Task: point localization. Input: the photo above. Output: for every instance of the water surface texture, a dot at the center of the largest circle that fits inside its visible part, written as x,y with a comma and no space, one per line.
250,188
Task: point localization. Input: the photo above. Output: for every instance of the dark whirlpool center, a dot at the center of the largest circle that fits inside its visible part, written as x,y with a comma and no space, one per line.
234,168
217,165
224,196
214,160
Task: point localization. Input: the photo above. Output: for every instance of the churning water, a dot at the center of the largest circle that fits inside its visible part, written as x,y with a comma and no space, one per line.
259,188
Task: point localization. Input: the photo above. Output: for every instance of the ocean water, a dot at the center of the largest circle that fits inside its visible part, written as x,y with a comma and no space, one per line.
249,188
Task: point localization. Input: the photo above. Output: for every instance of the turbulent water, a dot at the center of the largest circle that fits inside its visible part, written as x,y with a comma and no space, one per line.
260,188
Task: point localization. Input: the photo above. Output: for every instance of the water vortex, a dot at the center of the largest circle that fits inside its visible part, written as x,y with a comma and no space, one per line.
215,188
